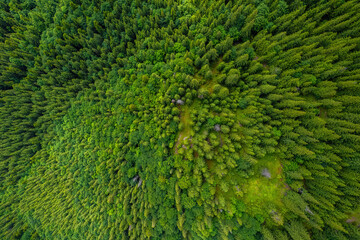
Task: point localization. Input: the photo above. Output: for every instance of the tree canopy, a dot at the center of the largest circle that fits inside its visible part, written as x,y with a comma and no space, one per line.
182,119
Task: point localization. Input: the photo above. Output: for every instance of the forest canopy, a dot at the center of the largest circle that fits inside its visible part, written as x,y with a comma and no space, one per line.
180,119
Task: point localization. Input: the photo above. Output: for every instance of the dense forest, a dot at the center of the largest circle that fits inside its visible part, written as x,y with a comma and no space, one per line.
180,119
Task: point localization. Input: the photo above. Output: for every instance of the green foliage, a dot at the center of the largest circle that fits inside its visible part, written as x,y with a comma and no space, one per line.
179,119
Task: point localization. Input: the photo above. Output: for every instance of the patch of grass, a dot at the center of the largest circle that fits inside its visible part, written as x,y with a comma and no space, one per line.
262,194
185,120
354,217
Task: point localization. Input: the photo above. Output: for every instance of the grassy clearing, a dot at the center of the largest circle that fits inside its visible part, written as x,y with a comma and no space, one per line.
261,193
185,120
185,125
354,217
